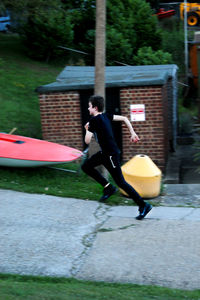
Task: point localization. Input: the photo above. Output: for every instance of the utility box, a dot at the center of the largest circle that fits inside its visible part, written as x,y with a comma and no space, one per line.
143,175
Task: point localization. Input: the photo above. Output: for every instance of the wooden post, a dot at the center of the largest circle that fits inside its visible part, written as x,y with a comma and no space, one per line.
100,53
100,48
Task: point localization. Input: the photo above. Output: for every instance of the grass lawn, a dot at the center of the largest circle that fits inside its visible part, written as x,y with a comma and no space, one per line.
14,287
19,77
55,182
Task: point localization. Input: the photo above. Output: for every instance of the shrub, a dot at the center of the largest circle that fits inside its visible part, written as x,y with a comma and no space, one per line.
44,32
173,42
1,62
146,56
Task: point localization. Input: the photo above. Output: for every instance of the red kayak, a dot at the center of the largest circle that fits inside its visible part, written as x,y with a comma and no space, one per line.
161,14
20,151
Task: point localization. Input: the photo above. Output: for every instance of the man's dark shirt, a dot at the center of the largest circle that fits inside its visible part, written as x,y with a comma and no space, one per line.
101,127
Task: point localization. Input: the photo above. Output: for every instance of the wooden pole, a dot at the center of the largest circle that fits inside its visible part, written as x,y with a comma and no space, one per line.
100,48
100,54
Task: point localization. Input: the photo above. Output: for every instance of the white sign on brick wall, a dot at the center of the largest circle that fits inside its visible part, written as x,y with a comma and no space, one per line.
137,112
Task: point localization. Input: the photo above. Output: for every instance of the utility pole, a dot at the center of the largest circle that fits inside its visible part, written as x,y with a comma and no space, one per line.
100,54
100,48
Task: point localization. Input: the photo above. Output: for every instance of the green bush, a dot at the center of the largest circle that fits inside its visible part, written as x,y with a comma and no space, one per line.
185,123
1,62
118,47
44,32
146,56
173,43
130,26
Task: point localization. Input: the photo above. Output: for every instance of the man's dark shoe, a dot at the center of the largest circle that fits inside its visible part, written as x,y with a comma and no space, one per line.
107,192
143,211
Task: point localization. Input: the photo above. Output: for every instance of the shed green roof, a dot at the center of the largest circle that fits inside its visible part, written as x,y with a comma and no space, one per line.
79,78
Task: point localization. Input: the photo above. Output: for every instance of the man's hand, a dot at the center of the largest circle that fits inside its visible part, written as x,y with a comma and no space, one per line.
88,134
134,138
86,126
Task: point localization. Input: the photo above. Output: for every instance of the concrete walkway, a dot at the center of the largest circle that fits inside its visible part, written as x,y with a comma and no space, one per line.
53,236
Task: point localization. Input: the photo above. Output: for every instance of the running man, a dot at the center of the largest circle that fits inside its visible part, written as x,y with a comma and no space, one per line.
100,126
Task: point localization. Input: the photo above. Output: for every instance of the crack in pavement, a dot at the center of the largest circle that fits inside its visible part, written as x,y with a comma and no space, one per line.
188,214
89,238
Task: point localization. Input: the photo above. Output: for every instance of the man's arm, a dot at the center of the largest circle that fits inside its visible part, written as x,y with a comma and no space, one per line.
134,138
88,134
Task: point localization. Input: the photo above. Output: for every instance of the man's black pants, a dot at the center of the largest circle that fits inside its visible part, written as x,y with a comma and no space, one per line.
112,164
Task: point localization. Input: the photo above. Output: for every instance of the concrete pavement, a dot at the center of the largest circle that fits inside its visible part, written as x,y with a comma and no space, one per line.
54,236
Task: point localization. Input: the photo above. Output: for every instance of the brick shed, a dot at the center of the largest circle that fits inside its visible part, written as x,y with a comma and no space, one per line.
63,107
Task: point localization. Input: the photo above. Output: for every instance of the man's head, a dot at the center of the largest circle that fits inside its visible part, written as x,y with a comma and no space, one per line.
97,102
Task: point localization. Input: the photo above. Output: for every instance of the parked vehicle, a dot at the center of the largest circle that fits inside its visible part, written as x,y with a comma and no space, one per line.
192,8
4,21
193,13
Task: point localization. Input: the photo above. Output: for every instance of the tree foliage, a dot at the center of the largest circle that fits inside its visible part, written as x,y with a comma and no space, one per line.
154,3
48,24
173,42
146,56
29,7
130,25
136,24
44,33
43,26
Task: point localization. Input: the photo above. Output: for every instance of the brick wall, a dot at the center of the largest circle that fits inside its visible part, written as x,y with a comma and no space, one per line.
61,118
154,130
